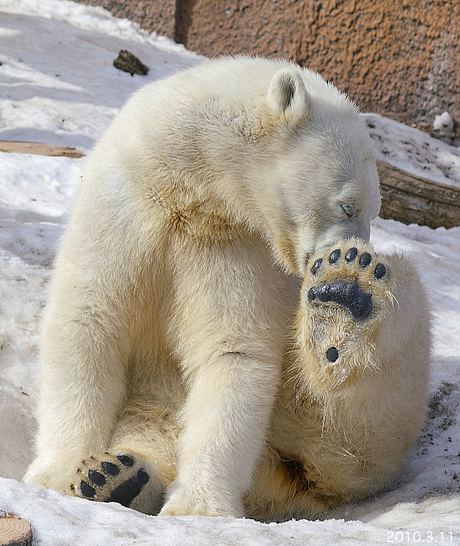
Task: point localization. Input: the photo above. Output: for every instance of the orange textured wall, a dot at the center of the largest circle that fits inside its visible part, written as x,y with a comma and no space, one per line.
396,57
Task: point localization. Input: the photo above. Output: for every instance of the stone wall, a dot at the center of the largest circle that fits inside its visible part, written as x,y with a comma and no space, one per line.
395,57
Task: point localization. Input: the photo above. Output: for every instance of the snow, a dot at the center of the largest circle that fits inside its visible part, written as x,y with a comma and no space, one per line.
58,85
443,122
414,151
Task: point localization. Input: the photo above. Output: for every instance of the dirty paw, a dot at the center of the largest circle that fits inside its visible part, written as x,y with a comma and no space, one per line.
111,478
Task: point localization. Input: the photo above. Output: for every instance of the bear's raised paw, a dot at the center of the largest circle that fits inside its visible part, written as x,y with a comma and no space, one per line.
346,294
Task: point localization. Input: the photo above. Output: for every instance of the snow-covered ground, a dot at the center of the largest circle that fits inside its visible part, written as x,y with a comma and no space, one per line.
58,85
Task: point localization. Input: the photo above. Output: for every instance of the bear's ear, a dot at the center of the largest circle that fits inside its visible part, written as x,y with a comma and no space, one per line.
287,97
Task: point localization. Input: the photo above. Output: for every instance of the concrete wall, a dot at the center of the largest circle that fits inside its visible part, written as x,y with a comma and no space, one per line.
395,57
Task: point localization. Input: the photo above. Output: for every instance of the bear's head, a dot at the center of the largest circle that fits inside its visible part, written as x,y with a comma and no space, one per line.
319,172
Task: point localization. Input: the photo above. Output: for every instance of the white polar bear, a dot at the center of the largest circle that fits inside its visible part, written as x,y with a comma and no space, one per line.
169,322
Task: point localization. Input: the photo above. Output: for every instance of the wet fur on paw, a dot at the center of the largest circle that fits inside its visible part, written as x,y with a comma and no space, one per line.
345,297
111,478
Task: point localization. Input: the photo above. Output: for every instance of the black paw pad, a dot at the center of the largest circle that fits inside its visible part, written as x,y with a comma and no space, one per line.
96,477
380,271
87,491
125,460
347,294
350,256
335,255
125,493
332,354
316,266
365,259
110,468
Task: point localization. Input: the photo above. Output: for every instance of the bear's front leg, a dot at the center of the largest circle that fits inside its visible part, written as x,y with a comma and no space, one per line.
82,385
231,334
225,417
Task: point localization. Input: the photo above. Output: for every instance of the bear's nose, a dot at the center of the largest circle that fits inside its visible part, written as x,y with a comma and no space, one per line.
362,231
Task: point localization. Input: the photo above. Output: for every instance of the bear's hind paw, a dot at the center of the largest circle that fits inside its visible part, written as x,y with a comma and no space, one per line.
118,478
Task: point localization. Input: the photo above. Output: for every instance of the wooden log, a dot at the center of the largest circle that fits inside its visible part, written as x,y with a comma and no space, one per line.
415,200
14,531
128,62
38,148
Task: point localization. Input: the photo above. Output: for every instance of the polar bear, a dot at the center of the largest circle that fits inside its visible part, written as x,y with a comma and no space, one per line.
185,368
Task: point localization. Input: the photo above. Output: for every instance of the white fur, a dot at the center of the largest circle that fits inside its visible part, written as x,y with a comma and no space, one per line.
177,275
341,430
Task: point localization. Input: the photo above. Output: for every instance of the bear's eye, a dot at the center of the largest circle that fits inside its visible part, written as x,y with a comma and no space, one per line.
349,209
